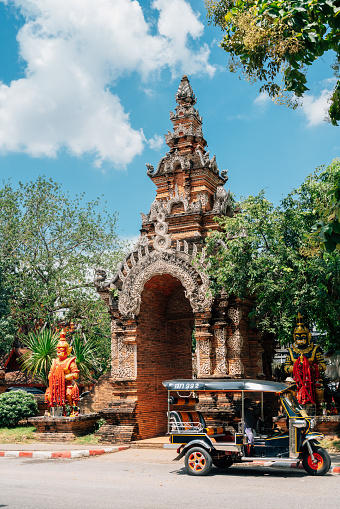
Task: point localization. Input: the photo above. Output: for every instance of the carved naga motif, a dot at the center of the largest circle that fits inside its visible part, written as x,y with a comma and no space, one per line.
162,240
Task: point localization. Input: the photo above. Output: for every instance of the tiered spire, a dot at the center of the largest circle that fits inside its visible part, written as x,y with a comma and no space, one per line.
188,180
187,135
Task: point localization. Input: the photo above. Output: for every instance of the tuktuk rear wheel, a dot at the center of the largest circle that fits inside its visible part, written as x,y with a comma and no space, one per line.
222,461
198,461
322,461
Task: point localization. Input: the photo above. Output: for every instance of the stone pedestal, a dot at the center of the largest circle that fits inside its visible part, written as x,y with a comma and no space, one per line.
59,429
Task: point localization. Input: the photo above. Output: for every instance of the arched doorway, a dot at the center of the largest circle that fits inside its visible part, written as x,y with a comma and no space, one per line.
164,330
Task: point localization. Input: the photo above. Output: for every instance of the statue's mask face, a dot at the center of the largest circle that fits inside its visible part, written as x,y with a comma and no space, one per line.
62,352
301,339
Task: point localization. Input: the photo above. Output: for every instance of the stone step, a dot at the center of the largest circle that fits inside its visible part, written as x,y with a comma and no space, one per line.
114,433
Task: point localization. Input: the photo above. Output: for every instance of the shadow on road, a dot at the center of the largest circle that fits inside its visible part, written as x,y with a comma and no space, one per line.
245,471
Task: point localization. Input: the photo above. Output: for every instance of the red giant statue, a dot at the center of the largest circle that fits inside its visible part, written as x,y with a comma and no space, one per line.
63,373
305,361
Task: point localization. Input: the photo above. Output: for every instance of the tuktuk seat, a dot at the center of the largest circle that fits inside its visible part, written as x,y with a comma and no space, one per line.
182,422
213,431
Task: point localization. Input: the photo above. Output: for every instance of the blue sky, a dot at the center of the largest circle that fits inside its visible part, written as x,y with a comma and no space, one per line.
86,87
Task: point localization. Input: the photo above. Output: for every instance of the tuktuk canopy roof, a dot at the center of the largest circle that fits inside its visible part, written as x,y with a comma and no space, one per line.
227,384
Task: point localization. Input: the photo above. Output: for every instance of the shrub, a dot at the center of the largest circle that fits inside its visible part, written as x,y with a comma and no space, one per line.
16,405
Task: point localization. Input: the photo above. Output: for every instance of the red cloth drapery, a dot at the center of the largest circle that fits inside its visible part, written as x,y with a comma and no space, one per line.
57,385
304,378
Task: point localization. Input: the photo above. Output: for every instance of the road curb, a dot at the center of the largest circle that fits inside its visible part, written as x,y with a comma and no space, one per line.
81,453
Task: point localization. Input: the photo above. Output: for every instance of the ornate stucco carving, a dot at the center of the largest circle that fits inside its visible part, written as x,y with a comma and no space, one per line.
162,240
235,343
235,315
99,278
151,170
183,131
222,202
185,94
178,264
177,197
220,352
124,360
184,111
236,368
141,242
174,159
203,198
203,348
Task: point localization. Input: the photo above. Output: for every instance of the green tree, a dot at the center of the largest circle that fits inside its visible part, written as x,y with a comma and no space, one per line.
6,328
268,253
49,246
328,209
267,39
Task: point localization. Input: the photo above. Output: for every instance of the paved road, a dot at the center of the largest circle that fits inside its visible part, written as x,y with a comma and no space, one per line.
149,479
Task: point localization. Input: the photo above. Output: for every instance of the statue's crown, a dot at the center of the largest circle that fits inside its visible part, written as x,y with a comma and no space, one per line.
300,325
63,343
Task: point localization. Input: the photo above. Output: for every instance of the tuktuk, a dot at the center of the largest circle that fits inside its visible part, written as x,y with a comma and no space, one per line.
203,446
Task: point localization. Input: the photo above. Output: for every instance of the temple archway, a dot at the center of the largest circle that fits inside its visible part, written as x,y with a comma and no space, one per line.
164,333
161,290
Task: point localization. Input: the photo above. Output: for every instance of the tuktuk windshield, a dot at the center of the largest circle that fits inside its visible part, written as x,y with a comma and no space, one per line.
291,402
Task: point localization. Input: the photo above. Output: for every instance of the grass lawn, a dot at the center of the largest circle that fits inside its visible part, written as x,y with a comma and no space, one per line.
18,435
26,435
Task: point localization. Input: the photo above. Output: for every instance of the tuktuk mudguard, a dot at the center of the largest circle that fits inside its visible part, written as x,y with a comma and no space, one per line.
315,436
190,445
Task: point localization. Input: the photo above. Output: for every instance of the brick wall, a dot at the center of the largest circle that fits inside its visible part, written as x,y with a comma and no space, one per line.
99,397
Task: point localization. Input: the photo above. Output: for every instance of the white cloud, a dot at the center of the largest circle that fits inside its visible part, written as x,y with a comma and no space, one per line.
315,107
156,142
74,51
262,99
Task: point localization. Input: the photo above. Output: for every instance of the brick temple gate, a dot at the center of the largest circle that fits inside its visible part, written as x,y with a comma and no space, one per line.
164,291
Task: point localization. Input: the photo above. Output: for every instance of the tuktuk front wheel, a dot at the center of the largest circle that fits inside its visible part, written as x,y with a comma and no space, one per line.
321,463
198,461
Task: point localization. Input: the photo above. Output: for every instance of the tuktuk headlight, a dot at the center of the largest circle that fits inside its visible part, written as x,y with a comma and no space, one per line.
300,423
312,423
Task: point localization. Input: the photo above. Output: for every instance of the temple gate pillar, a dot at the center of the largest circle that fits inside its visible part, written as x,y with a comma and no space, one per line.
203,344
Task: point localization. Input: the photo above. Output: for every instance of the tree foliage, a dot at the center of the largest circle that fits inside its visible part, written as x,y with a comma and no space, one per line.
328,208
269,254
6,330
16,405
49,246
268,37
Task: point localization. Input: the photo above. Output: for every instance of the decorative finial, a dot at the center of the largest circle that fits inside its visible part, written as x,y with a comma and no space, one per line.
185,93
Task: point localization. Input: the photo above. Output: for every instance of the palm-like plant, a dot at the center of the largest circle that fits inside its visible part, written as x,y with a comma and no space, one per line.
86,354
43,349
